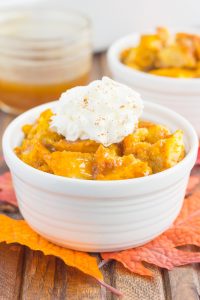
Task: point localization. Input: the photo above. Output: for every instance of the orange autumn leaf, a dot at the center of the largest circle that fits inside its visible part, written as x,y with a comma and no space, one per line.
15,231
7,193
162,251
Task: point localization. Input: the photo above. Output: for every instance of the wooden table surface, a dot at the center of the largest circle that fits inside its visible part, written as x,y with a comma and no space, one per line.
29,275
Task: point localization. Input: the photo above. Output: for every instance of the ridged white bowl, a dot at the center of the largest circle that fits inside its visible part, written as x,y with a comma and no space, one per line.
100,215
180,94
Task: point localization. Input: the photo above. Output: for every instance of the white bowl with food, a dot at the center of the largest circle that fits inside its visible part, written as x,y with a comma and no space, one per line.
98,215
179,94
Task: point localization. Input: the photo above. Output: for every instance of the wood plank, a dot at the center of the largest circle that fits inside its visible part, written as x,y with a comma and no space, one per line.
5,119
197,268
103,65
184,284
46,277
38,277
11,267
96,71
108,271
70,283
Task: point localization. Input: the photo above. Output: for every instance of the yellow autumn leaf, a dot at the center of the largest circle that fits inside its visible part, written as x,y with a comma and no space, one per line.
18,231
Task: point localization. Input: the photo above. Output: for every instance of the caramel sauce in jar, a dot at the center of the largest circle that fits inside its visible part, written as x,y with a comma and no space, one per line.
16,98
43,52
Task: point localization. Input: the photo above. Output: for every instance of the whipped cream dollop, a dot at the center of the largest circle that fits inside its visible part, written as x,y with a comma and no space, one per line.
104,111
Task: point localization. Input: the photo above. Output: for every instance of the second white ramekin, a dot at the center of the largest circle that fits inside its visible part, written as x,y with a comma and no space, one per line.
180,94
100,215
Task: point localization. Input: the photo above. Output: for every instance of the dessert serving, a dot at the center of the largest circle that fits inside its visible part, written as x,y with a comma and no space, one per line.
97,132
165,54
137,61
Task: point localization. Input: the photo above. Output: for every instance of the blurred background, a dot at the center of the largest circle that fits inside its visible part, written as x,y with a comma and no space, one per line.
48,46
112,19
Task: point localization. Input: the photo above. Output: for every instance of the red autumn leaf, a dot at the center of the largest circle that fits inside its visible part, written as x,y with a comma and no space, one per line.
7,193
198,158
162,251
193,182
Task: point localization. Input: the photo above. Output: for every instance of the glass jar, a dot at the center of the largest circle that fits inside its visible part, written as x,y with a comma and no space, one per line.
43,52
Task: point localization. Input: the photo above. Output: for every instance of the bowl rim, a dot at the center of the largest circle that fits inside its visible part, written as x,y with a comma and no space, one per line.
8,152
129,40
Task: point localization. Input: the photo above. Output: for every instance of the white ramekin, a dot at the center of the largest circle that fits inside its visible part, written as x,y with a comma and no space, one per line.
179,94
100,215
